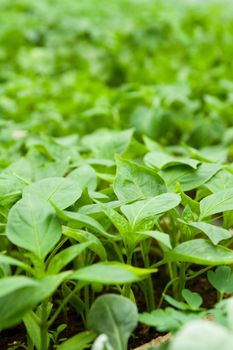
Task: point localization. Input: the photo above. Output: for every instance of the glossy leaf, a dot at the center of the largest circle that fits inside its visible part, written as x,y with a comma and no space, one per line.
188,178
215,233
201,251
141,212
216,203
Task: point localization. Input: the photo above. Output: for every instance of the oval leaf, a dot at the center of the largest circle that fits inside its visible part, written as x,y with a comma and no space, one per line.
33,225
216,203
201,251
111,273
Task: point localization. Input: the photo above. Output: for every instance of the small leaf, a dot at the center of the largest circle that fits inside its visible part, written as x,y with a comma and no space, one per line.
166,320
221,279
194,300
175,303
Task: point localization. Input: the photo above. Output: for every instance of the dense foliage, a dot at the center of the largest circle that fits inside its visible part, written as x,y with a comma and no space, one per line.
116,130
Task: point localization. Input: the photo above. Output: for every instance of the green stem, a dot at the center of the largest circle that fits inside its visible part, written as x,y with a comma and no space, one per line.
220,296
127,288
172,267
170,283
86,300
198,273
149,283
182,279
44,326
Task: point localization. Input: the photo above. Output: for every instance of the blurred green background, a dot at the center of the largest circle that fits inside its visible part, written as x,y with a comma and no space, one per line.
163,67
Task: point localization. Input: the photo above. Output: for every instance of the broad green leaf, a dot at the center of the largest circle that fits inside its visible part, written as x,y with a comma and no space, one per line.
33,225
202,335
111,273
61,191
215,233
162,160
64,257
203,252
188,178
78,342
216,203
115,316
24,293
144,211
221,279
134,181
